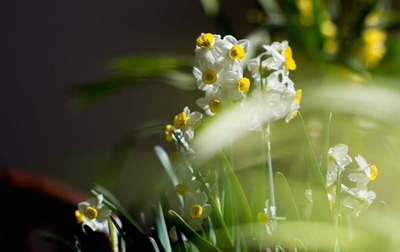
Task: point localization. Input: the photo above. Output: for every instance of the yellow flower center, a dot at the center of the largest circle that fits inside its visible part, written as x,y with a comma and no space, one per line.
215,106
196,211
297,96
236,52
79,217
205,40
90,213
243,84
295,114
332,158
373,172
180,120
261,218
168,137
209,77
181,189
289,61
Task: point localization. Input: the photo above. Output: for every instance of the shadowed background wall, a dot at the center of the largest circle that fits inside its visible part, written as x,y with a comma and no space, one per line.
48,46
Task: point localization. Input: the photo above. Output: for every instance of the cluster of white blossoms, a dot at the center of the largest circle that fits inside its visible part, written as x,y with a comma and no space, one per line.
94,214
358,198
219,74
273,90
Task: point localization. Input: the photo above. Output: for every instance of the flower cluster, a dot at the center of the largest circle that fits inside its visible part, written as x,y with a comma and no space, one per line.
218,72
274,91
358,198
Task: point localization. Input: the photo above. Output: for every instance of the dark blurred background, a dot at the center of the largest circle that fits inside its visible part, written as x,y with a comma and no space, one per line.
48,47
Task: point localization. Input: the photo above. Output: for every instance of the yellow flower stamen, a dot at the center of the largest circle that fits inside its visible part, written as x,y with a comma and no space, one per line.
236,52
180,120
295,114
168,136
244,84
209,77
261,218
373,172
297,96
79,217
181,189
332,158
90,213
205,40
289,61
196,211
215,106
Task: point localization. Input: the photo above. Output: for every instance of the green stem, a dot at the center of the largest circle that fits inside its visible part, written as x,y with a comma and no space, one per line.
268,166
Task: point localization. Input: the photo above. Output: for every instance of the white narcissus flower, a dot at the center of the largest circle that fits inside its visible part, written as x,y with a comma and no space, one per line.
370,172
357,205
236,85
337,158
208,75
282,58
187,122
213,102
186,182
94,214
205,47
230,52
196,209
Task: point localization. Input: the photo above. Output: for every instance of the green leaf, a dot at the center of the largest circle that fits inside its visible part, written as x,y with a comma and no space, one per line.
161,228
118,206
321,207
58,240
321,212
245,217
224,240
133,232
289,204
230,212
193,236
164,159
154,243
130,71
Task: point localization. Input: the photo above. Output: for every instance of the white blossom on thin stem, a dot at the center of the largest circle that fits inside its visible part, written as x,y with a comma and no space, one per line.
230,52
94,213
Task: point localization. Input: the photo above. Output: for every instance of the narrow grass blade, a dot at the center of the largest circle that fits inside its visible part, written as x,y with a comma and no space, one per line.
245,216
321,212
289,204
164,159
324,163
192,235
321,207
154,244
161,228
